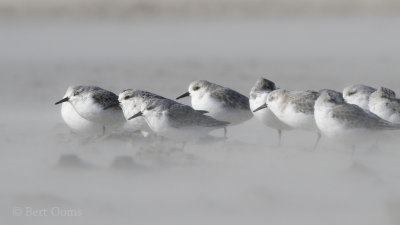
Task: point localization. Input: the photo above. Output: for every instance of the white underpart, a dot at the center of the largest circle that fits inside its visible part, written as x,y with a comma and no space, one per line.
217,109
129,108
265,115
77,123
94,112
160,124
292,117
337,130
360,99
378,106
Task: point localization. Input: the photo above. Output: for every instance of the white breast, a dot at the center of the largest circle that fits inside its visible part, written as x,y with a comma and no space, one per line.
293,118
218,110
335,129
360,100
161,125
76,122
328,125
94,112
266,116
135,124
378,107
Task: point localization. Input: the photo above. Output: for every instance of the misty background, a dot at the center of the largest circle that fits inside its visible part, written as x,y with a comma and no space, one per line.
161,46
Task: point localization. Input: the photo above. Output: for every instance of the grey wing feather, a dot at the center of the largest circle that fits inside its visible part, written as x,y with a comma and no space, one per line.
146,94
231,98
305,103
184,116
394,105
107,99
356,117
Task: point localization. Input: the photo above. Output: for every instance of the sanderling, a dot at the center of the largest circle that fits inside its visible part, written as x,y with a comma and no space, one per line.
294,108
258,96
131,102
77,123
384,103
177,121
358,94
347,122
95,104
220,102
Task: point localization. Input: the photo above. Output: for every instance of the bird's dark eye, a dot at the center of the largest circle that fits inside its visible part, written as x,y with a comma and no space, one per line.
196,88
127,97
351,93
264,86
150,107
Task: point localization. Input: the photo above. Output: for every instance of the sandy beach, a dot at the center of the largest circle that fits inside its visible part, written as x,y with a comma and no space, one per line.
246,180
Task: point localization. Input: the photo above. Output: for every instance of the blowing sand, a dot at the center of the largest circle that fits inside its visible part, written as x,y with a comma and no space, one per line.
246,180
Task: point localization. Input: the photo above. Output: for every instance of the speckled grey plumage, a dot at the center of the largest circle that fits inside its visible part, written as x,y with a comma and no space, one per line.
383,92
334,94
230,98
355,117
142,94
393,103
105,98
353,89
304,101
262,85
181,115
145,95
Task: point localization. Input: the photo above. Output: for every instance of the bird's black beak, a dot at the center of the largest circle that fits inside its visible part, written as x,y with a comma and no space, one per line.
66,99
203,111
263,106
184,95
136,115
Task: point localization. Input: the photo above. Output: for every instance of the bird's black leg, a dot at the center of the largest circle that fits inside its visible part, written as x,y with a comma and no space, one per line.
225,132
316,143
279,137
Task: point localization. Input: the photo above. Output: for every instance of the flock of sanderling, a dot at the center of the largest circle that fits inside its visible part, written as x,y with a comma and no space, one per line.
359,113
